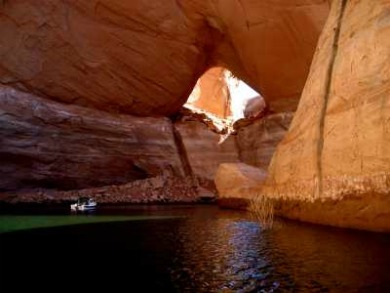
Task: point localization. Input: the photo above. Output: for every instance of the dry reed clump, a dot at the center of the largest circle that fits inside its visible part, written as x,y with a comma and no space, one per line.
262,208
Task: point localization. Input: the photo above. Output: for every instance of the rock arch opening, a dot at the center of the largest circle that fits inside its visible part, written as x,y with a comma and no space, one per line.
219,93
225,121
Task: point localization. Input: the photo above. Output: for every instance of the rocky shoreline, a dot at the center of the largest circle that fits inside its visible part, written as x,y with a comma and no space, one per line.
154,190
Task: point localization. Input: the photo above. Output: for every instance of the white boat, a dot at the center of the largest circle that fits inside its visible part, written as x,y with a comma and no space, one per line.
84,204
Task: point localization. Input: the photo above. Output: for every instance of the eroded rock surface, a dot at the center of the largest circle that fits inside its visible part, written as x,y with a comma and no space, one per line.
144,57
47,144
337,151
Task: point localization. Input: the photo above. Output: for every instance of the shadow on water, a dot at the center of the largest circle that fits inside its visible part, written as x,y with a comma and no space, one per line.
197,249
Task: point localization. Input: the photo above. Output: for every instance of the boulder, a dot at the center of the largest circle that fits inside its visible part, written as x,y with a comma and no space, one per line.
237,184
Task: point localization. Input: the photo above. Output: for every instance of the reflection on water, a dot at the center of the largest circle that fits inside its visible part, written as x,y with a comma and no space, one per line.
201,249
229,256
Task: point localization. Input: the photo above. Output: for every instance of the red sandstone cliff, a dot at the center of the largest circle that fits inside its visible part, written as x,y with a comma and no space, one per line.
333,165
144,57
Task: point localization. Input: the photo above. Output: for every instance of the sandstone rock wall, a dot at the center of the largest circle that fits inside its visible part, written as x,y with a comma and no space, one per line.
269,44
333,166
137,57
144,57
47,144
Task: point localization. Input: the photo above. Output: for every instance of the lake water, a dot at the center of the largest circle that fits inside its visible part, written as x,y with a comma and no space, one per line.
184,249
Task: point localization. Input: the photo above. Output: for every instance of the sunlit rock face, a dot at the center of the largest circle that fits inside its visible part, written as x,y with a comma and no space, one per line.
144,57
333,166
269,44
238,184
211,93
52,145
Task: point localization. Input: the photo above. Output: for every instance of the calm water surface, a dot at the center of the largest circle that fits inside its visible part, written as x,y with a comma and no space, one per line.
184,249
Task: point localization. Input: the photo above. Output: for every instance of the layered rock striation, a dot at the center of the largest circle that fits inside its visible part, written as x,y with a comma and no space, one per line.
132,57
52,145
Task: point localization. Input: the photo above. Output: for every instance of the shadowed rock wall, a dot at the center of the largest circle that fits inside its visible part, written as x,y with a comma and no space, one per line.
47,144
257,142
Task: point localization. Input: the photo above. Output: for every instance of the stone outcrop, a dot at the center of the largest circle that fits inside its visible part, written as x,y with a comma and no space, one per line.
333,166
144,57
238,184
47,144
257,141
206,150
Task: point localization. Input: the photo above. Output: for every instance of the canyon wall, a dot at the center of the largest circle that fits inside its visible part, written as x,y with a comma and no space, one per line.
132,57
52,145
333,166
45,144
144,57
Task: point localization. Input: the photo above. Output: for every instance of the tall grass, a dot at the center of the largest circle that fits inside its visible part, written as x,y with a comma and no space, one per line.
262,209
